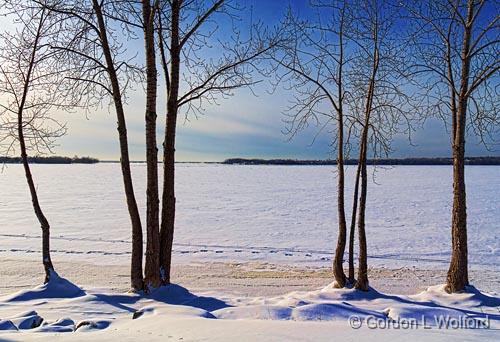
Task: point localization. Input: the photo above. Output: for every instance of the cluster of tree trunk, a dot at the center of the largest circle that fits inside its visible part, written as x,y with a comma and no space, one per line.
445,37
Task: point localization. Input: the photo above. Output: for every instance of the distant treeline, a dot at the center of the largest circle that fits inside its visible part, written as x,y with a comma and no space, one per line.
50,160
404,161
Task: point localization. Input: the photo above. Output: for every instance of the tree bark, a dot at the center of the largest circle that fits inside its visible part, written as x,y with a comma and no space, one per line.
136,278
458,277
44,223
168,197
338,270
353,225
152,267
362,281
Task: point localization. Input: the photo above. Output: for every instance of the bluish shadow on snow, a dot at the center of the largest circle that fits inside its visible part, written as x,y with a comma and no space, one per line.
178,295
57,287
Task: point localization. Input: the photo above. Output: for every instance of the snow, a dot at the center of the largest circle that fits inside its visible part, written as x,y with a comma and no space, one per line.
57,288
277,214
90,315
243,214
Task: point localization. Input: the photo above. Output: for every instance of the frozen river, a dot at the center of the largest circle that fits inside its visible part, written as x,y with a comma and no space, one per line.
278,214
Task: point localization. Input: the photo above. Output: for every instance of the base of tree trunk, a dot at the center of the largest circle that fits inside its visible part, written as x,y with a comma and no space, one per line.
362,285
340,278
456,281
48,272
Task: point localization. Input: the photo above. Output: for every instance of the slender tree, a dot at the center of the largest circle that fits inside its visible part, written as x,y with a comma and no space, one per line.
377,97
30,84
456,56
92,48
312,64
186,31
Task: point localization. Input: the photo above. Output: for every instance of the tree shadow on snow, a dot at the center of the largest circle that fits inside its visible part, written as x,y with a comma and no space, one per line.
178,295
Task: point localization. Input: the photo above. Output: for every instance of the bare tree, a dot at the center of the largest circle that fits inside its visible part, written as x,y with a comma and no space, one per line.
313,64
186,30
30,85
92,48
377,97
456,50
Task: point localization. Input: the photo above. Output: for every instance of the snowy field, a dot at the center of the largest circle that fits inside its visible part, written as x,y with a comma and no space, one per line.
277,214
246,227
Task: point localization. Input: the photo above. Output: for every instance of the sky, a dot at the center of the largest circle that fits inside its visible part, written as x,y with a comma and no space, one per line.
243,125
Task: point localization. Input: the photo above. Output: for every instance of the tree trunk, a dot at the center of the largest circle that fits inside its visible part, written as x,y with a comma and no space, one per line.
47,262
136,279
338,269
353,225
168,198
152,267
44,223
458,277
362,281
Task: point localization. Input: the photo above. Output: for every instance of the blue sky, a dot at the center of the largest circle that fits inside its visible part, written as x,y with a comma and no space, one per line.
241,126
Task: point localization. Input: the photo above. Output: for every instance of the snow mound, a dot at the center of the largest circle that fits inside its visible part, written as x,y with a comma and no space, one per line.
178,295
172,311
470,298
59,326
265,312
27,320
332,312
57,287
303,311
422,313
7,325
90,325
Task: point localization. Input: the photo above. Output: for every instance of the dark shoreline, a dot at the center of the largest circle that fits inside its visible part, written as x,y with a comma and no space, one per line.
243,161
391,161
50,160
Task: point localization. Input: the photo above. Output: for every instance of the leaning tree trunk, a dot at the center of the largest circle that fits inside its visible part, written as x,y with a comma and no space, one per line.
152,267
136,278
47,262
458,276
44,223
168,198
338,270
353,225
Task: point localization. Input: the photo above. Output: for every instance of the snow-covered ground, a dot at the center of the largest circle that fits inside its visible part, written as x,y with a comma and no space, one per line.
246,237
61,310
278,214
